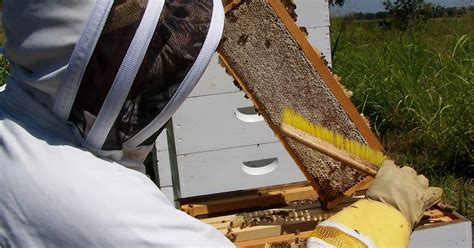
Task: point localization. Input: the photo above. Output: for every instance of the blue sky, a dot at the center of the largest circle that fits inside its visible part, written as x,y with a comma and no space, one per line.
376,5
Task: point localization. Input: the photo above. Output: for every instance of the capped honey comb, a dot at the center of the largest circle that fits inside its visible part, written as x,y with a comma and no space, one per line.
271,59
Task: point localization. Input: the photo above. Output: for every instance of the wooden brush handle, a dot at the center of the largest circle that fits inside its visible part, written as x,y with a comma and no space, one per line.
330,150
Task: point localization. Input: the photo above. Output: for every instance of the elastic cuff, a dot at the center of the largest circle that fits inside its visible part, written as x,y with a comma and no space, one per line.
375,220
338,235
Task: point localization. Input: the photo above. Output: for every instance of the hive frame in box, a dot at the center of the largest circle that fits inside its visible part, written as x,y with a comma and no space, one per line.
229,214
331,83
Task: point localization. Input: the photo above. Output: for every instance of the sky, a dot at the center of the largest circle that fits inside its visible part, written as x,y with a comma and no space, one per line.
372,6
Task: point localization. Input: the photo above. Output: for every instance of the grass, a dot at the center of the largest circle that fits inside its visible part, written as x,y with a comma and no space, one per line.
417,89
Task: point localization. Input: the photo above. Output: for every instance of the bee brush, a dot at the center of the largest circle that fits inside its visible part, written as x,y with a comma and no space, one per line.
349,152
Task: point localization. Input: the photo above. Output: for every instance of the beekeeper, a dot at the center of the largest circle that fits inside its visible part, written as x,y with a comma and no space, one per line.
91,85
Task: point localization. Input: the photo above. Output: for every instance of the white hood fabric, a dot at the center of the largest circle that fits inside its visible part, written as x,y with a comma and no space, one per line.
56,188
41,37
56,46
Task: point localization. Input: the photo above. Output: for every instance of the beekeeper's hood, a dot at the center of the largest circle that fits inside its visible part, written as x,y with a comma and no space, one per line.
115,71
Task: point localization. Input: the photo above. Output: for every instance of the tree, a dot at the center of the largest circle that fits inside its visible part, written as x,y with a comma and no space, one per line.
336,2
404,14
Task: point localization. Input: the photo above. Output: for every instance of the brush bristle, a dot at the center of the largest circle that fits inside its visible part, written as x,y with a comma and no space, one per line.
356,148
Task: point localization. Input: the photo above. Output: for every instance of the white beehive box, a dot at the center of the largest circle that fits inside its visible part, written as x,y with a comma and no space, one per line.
219,143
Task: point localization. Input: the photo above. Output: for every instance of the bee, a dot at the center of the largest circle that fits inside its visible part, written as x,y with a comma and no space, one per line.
267,43
243,39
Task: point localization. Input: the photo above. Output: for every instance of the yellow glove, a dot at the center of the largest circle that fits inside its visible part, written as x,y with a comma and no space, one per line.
395,202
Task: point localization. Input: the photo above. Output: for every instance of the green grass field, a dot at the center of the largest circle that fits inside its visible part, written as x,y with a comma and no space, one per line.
417,89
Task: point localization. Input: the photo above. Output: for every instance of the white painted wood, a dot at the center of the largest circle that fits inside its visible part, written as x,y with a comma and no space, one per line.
457,235
163,160
320,39
214,81
312,13
164,168
217,122
224,170
162,141
212,139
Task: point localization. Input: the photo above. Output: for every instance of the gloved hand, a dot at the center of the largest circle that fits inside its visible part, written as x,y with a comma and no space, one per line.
403,189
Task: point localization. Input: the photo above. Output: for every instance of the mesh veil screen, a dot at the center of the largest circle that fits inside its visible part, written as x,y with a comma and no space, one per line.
175,45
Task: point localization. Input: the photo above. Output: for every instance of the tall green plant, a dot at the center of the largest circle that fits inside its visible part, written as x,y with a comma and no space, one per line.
417,89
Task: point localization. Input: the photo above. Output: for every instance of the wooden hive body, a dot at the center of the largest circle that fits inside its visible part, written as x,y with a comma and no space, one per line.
284,216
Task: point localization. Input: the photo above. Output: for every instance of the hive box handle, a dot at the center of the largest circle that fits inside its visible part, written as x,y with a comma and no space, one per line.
260,167
248,114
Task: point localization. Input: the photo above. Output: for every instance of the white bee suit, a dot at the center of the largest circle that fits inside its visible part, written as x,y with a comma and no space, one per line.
71,174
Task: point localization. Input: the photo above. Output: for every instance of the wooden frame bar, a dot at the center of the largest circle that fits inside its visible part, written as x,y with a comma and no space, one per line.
260,199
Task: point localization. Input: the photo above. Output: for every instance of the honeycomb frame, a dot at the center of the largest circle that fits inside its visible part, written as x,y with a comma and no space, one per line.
256,30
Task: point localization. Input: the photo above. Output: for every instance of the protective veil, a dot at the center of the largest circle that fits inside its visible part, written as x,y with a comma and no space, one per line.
91,85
